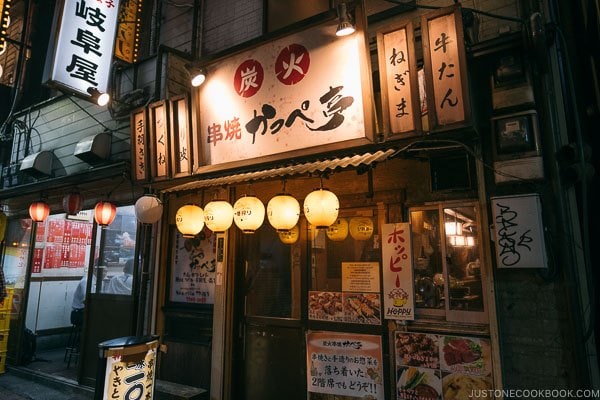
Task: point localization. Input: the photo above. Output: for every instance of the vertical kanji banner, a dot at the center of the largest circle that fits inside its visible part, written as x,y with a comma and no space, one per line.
398,293
130,371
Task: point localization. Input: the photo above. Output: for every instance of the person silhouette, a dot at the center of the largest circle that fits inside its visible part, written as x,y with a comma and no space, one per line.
121,284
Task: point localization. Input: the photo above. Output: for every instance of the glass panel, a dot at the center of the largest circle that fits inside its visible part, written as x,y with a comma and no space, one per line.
114,264
462,258
427,259
268,276
16,252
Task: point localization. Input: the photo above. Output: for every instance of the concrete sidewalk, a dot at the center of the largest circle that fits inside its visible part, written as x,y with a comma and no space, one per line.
16,384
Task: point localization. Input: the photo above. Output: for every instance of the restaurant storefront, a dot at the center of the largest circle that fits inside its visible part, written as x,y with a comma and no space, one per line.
341,217
388,295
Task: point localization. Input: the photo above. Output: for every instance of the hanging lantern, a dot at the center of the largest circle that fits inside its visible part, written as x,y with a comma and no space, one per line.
248,213
189,220
3,220
105,213
321,208
72,203
39,211
289,236
148,209
283,212
361,228
338,231
218,215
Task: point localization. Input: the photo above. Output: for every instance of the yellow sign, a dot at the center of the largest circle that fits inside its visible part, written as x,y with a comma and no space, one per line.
128,31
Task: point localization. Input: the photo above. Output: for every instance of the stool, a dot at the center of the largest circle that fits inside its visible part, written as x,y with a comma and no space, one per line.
72,349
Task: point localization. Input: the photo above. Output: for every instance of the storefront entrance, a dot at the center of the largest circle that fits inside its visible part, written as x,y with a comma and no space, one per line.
69,308
271,335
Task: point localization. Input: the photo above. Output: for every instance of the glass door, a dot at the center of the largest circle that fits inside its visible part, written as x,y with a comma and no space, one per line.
271,335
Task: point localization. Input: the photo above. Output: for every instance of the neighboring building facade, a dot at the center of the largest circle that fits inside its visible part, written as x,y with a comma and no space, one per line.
452,136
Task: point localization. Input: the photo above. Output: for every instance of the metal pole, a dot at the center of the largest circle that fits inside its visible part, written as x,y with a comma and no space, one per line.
25,295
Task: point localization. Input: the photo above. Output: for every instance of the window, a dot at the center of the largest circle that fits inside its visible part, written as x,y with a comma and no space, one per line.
447,262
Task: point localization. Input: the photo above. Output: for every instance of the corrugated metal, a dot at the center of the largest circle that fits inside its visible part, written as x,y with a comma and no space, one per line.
297,169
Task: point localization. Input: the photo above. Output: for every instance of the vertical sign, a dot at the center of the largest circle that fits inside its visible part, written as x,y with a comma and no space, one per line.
84,48
445,67
130,371
159,128
128,31
193,269
344,364
399,83
4,21
181,161
519,232
139,145
398,294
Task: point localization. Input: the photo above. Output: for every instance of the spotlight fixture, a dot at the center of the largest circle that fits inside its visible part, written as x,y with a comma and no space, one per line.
197,74
97,96
345,25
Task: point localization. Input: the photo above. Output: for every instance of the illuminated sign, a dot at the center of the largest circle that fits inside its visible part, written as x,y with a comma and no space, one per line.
128,31
84,47
4,22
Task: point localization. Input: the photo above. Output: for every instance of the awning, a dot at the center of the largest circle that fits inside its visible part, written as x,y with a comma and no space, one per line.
290,170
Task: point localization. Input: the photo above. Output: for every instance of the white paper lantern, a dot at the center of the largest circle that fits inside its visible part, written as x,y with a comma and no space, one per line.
218,215
361,228
248,213
290,236
148,209
321,208
283,212
338,231
189,220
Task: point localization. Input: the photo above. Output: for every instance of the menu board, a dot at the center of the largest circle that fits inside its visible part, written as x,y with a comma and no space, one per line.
193,265
359,302
61,243
344,364
447,367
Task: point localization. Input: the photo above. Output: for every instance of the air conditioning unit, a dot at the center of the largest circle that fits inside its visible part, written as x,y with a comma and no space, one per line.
37,165
94,149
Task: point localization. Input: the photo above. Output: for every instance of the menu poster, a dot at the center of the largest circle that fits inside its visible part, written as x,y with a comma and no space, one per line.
193,265
344,364
398,293
431,367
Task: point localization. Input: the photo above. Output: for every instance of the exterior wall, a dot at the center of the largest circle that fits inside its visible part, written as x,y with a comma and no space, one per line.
58,127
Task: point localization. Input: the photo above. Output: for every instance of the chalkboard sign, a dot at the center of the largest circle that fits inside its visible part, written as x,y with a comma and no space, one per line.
519,232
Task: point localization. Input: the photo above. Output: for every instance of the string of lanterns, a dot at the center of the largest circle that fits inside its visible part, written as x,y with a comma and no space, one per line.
321,208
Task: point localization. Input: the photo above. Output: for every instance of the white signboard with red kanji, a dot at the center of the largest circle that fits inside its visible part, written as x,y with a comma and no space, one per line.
294,93
84,48
398,293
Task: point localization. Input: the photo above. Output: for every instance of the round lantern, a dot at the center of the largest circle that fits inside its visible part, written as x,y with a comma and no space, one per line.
72,203
338,231
39,211
248,213
361,228
283,212
289,236
148,209
105,213
189,220
218,215
321,208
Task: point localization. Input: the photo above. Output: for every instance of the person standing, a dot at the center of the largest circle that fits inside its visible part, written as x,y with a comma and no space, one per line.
121,284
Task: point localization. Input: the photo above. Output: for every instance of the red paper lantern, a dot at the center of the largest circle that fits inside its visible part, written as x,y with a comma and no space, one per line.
105,213
72,203
39,211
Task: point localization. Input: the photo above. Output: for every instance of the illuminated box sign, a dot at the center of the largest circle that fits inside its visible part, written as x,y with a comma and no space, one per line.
128,31
295,94
4,21
445,67
84,47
